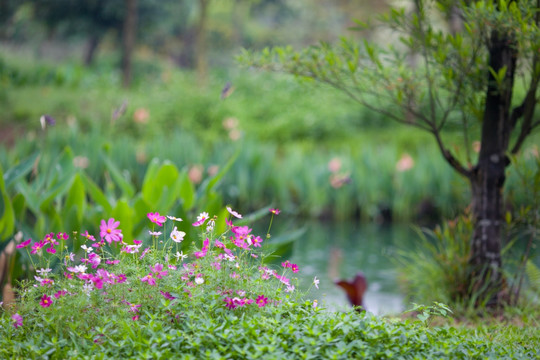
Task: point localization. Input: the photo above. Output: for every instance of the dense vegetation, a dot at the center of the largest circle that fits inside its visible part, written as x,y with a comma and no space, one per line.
78,148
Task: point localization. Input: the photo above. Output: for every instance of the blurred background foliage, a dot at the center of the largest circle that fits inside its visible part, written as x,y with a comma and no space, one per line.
306,148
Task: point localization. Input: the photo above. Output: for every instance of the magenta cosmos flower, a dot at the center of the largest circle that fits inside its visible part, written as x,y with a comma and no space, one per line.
275,211
45,301
24,244
261,300
109,230
156,218
17,320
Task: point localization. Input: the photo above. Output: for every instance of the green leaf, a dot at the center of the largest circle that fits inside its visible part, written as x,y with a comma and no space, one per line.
124,213
187,192
30,196
58,190
76,194
96,194
21,170
127,189
7,219
208,185
162,189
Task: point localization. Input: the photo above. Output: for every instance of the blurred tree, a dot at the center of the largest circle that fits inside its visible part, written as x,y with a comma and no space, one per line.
93,19
128,39
481,76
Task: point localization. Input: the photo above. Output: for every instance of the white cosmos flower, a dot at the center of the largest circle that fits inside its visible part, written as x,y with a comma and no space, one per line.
180,255
177,236
174,218
87,249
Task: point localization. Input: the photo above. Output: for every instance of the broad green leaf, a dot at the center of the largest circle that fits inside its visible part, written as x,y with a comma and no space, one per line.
127,188
30,196
59,189
21,170
187,192
163,188
124,213
7,219
96,194
19,207
76,196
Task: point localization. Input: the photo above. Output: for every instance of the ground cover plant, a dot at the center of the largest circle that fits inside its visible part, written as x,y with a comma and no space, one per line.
217,297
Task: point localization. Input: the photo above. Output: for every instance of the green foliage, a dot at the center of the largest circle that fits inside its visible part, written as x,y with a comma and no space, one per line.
436,270
426,313
293,331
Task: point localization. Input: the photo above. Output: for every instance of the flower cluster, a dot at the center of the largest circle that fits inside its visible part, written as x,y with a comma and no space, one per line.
226,266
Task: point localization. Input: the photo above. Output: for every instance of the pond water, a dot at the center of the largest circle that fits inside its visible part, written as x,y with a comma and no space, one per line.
334,251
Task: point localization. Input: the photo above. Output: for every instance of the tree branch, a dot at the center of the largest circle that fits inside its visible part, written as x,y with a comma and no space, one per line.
450,159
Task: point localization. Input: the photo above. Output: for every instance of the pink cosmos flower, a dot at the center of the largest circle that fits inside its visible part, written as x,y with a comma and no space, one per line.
37,247
233,213
256,241
294,268
204,250
158,270
156,218
94,259
145,251
109,230
283,279
261,300
60,293
45,301
62,236
17,320
51,250
149,279
134,308
88,236
167,295
98,281
22,245
275,211
316,282
49,238
201,219
229,303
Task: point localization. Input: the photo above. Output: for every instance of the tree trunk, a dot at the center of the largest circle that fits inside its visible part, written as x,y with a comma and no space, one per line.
487,179
90,50
128,40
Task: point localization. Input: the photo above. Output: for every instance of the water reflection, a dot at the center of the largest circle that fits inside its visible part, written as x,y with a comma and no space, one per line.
332,251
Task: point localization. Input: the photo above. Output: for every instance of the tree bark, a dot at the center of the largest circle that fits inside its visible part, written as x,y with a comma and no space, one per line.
487,179
128,41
